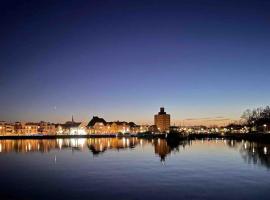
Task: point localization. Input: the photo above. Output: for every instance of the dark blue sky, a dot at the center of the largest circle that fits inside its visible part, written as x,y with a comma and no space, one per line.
124,59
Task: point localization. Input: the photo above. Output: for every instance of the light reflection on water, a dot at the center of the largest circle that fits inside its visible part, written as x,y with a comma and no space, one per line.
134,168
251,152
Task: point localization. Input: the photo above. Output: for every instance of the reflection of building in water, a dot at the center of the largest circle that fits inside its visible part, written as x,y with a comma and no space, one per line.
23,146
99,145
162,148
96,145
165,147
256,153
252,152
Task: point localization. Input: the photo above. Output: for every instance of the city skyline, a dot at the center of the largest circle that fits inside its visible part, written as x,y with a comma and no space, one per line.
205,61
217,121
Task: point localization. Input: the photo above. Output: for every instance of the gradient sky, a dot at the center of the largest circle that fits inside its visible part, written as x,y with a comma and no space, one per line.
204,59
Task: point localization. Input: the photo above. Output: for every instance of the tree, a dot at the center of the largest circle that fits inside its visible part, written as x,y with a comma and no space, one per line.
257,117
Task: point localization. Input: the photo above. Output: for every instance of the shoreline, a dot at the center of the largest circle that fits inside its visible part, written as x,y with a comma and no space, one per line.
256,137
17,137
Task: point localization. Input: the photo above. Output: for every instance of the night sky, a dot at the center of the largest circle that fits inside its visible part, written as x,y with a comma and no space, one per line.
204,59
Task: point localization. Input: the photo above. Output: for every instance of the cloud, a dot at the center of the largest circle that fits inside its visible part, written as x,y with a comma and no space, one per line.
207,118
207,121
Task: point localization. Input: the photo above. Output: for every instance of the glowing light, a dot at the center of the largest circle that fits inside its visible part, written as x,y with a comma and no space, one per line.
73,142
101,147
265,150
81,142
128,142
77,131
60,143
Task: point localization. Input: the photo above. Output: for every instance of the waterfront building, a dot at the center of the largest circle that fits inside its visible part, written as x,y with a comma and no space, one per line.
30,128
153,129
112,127
134,128
162,121
19,128
9,129
143,128
118,127
2,128
71,128
97,126
47,128
174,129
6,128
122,127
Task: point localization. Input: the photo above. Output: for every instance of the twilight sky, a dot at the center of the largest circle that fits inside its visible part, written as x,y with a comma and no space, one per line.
204,60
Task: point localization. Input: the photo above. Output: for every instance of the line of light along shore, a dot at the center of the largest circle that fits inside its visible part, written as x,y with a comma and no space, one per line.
99,127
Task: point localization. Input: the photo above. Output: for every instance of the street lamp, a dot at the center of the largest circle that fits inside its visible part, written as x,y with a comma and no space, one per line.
265,127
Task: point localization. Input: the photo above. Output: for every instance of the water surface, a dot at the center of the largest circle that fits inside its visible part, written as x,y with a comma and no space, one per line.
131,168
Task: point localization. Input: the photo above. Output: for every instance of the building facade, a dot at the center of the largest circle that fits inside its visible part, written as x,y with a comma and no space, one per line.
99,126
47,128
31,128
162,121
6,128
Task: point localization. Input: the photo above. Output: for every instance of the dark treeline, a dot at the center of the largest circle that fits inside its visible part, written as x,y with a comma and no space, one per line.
258,118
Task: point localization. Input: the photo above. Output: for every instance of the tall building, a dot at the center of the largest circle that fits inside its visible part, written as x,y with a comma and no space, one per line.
162,121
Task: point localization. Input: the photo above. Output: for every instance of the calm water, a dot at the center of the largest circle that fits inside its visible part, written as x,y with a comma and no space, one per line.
133,169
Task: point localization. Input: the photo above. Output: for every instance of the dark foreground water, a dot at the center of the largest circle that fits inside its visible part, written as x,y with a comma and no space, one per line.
133,169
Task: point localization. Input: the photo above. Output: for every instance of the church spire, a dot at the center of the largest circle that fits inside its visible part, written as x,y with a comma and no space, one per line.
72,119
